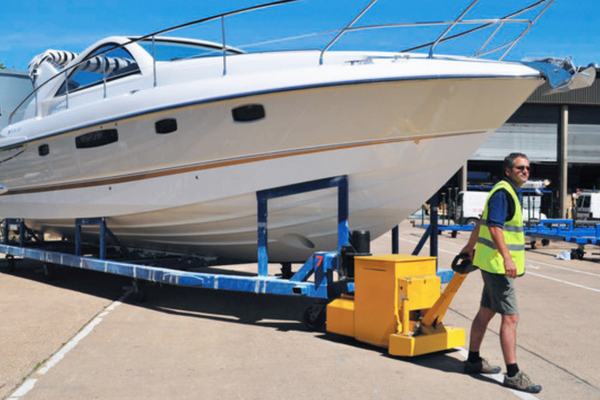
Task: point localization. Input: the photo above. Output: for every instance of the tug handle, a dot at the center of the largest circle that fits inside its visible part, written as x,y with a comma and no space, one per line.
465,267
436,313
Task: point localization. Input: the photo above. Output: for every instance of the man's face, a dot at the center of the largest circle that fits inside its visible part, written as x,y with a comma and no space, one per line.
519,173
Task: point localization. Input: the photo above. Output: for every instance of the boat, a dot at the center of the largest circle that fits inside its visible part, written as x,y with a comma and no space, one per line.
169,139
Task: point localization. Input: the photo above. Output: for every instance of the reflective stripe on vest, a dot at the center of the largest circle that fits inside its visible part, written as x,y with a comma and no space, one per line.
487,256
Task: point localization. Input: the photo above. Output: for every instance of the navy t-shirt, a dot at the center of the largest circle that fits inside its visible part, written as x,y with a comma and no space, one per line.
501,208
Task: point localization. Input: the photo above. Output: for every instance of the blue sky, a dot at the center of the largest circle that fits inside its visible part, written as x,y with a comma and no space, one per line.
568,28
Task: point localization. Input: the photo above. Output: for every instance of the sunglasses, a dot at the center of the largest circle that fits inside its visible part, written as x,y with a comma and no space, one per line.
523,167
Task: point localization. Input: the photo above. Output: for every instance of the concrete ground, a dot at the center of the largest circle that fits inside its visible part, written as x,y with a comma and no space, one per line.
80,336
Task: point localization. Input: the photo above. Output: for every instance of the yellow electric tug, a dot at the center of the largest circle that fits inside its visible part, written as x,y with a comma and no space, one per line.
398,304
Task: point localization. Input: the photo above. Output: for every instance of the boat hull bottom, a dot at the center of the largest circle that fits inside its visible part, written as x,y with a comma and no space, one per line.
387,182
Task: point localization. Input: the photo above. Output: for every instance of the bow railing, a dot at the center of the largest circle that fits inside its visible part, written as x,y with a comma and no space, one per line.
448,34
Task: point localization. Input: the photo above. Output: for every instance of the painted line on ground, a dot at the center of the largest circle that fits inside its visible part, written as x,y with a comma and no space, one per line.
568,269
31,381
564,282
500,379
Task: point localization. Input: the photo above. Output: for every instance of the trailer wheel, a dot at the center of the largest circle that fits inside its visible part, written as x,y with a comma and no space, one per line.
139,291
48,270
315,316
533,245
10,261
577,254
454,234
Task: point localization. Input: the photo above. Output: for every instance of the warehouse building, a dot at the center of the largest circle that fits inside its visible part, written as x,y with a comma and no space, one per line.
560,133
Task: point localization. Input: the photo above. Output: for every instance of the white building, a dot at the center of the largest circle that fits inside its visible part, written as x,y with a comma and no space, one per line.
14,86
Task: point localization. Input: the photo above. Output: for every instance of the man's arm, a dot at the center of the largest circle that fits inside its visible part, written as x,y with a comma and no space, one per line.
498,238
470,246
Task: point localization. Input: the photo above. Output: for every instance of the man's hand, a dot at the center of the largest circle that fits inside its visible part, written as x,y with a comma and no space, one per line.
510,267
469,251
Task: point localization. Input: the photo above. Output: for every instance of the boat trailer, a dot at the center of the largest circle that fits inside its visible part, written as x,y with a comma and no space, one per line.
579,232
392,301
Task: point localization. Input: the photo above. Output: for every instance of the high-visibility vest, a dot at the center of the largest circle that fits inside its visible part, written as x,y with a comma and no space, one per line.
487,257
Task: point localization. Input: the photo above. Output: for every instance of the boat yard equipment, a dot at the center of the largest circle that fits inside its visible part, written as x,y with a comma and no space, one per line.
325,276
397,304
568,231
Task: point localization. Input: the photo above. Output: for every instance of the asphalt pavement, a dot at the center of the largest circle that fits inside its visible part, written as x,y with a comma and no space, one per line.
82,335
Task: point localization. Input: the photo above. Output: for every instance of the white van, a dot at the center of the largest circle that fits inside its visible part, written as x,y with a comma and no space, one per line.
470,206
588,205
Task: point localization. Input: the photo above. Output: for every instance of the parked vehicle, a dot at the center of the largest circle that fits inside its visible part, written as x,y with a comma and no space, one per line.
470,206
588,206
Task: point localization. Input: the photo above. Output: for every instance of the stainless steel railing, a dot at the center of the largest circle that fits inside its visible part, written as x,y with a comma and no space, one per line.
66,71
478,24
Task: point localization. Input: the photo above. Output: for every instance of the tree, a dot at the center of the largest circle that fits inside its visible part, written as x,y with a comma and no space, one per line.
2,66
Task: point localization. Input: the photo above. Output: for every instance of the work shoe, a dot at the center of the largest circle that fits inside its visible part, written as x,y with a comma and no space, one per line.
521,382
481,367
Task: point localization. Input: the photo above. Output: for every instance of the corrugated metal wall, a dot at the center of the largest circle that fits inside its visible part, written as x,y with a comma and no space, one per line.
587,96
533,129
538,141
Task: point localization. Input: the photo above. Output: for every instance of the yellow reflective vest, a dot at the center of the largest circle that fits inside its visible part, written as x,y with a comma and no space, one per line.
487,257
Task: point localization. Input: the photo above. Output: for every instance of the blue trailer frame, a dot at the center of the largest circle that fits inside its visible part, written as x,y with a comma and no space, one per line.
320,266
566,230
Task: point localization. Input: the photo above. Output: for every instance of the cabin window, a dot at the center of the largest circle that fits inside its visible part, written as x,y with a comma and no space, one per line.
164,126
96,139
110,65
248,113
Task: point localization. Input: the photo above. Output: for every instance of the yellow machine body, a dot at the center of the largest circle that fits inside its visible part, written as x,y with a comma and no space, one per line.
397,304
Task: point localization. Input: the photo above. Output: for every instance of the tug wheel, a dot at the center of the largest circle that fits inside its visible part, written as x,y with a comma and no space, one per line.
577,254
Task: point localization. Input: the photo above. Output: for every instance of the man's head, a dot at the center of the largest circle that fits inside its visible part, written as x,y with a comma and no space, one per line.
516,168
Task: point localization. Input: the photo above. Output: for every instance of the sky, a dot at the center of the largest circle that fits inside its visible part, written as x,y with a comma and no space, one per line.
27,28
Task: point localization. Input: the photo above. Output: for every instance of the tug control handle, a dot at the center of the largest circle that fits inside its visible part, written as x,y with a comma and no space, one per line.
465,267
436,313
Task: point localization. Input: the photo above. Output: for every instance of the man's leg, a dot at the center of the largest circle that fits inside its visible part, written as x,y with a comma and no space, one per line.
478,328
474,363
508,338
514,378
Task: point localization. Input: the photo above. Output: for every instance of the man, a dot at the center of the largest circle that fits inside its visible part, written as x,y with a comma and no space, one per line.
500,256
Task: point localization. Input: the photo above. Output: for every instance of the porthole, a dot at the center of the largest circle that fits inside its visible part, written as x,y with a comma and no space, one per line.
164,126
44,150
248,113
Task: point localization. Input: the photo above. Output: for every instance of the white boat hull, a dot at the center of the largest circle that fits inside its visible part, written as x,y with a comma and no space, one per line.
194,191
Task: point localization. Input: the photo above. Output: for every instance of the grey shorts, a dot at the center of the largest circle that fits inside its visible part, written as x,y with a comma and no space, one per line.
499,294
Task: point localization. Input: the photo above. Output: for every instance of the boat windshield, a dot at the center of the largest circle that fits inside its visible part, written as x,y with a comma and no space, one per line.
101,65
181,49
